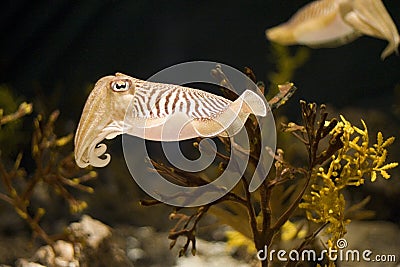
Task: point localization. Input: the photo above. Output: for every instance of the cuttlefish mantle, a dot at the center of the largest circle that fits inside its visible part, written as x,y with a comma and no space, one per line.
331,23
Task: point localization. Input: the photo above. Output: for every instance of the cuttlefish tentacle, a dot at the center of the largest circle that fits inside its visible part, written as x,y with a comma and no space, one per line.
155,111
330,23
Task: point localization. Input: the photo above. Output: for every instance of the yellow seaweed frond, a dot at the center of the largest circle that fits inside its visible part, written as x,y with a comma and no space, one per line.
286,65
290,230
235,239
62,141
350,166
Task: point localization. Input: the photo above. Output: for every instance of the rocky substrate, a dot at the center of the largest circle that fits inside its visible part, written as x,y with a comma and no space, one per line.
96,244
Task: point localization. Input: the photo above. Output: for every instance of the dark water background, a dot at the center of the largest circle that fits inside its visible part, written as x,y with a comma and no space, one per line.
65,45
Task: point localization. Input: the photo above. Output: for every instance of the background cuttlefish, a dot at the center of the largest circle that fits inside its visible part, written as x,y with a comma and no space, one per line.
330,23
155,111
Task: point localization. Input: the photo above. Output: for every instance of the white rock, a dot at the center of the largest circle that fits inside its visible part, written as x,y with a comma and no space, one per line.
45,255
135,254
132,242
25,263
60,262
91,230
64,250
210,254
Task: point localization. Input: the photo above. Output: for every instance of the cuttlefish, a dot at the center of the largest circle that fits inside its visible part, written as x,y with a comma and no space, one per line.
156,111
331,23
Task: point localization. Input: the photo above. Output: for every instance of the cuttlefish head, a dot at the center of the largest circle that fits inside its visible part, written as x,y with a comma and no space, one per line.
102,118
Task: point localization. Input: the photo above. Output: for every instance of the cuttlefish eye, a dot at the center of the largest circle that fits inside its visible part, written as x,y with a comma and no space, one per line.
121,85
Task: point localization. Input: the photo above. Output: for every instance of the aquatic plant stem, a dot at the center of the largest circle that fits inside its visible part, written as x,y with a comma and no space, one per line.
20,204
286,215
266,233
251,212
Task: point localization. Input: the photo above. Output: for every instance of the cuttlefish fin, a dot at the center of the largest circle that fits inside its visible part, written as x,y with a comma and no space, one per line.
370,17
232,120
